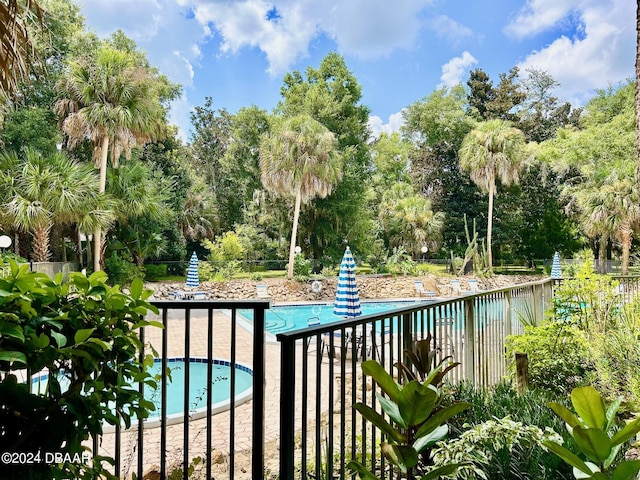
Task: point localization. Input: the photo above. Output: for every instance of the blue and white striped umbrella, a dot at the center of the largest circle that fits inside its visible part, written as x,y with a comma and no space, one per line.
192,272
347,302
556,272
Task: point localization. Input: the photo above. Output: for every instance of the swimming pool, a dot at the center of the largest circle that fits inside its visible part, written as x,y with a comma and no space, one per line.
220,388
283,318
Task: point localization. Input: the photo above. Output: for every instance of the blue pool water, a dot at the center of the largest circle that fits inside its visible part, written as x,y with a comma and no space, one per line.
284,318
220,387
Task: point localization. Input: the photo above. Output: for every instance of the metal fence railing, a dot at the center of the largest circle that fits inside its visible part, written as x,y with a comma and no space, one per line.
321,377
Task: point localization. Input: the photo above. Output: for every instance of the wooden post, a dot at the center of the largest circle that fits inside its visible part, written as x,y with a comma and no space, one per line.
522,372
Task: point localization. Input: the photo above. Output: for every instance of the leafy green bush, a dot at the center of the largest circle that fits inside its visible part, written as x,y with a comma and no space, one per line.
84,333
120,270
521,459
153,272
498,448
301,267
558,354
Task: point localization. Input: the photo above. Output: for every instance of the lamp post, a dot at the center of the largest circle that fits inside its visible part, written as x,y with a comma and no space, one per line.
298,249
424,252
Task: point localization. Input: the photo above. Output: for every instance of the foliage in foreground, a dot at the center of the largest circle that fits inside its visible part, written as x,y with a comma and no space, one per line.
85,334
594,429
418,421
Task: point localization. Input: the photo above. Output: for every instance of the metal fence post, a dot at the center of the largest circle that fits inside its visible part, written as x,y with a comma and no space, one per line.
469,341
287,406
259,365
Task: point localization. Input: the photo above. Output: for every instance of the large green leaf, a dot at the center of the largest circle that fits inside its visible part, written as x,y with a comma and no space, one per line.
402,456
593,442
361,471
416,402
382,378
391,409
136,288
441,472
11,330
627,432
612,410
564,413
379,421
627,470
13,357
82,334
567,455
589,405
442,416
434,436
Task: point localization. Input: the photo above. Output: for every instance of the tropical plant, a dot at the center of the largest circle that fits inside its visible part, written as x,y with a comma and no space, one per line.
597,436
16,47
114,103
416,423
84,334
39,191
299,158
496,448
494,150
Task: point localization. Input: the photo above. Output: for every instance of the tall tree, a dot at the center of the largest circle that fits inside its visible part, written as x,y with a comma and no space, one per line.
637,89
331,95
494,150
39,191
114,103
300,158
16,47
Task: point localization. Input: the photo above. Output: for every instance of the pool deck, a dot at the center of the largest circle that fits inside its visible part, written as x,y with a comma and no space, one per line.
221,436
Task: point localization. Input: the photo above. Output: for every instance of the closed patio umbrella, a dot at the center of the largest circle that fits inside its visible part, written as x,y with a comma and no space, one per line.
192,272
556,272
347,302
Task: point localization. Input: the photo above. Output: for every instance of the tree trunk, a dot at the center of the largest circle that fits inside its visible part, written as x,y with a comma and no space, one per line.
97,232
41,252
294,234
626,233
602,254
492,187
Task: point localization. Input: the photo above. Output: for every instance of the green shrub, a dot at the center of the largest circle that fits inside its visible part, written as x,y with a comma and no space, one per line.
82,330
301,267
558,354
154,272
521,459
121,271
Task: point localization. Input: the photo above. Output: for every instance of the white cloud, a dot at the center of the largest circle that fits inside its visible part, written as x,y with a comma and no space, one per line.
377,127
456,68
603,54
539,15
370,28
447,28
363,28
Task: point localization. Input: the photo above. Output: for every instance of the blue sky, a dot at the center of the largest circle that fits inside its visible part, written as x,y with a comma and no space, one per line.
237,51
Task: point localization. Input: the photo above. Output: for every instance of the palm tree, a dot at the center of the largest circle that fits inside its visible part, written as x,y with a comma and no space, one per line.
114,104
16,49
615,206
409,219
493,150
300,158
39,191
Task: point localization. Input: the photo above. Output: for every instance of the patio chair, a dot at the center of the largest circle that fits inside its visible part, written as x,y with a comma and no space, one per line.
473,285
419,286
262,292
456,288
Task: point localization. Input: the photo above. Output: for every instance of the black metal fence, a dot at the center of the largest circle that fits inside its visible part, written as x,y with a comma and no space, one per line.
321,377
312,377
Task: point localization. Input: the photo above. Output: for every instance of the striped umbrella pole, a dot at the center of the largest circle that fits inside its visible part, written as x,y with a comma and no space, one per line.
347,302
556,272
192,272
